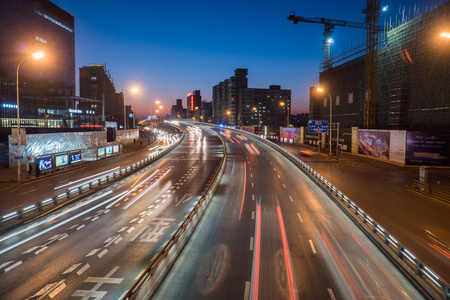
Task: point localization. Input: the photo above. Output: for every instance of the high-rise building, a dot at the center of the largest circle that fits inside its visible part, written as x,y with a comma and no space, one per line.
96,83
194,103
234,103
28,26
270,106
225,97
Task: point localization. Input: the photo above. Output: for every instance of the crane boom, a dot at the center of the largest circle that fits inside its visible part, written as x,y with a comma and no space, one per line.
329,26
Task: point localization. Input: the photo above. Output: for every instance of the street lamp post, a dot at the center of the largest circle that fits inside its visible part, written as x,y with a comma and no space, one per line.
331,114
36,55
133,90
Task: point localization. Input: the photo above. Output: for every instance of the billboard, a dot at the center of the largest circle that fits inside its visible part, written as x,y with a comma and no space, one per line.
101,151
116,149
45,163
61,160
427,148
75,157
109,150
374,143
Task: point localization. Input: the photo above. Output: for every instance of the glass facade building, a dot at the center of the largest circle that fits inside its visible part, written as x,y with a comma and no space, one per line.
46,85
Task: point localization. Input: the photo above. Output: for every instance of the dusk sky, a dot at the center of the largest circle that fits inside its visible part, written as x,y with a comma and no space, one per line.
170,48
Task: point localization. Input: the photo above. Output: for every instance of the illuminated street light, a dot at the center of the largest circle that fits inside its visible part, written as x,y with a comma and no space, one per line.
133,90
36,55
446,35
331,114
287,115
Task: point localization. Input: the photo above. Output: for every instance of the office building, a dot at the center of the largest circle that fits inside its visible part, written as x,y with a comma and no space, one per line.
29,26
96,83
235,104
194,103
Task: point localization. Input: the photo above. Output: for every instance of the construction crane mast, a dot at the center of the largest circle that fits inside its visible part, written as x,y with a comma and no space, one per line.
372,13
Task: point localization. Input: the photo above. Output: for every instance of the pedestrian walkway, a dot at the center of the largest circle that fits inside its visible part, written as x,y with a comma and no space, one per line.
8,176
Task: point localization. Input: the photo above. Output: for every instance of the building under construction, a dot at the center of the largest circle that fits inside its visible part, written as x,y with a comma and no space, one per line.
412,78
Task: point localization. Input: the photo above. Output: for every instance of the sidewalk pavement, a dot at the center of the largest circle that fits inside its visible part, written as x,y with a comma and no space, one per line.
438,177
8,176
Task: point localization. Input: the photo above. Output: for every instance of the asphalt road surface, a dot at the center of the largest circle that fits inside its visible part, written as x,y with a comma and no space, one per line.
99,246
271,233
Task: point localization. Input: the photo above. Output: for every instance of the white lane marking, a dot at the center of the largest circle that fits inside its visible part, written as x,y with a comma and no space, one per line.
81,226
122,229
28,251
134,220
251,244
139,233
101,254
149,213
330,292
41,250
312,246
253,196
72,268
300,217
151,206
279,176
13,266
141,220
143,213
63,236
247,290
251,175
72,227
94,218
284,185
112,240
106,211
60,286
290,198
83,269
130,230
88,218
118,240
94,293
253,215
92,252
6,263
253,184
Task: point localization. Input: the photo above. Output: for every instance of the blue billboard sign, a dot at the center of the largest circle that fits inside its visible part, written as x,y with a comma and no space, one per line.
318,126
45,163
75,157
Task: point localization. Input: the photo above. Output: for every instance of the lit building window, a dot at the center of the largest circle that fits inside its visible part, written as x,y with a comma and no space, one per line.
350,98
338,100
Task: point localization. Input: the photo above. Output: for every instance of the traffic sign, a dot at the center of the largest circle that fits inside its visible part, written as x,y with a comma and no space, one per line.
318,126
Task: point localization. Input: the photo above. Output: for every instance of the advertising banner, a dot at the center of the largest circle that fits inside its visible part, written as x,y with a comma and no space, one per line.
62,160
109,150
374,143
116,148
75,157
397,145
427,148
45,163
15,136
101,151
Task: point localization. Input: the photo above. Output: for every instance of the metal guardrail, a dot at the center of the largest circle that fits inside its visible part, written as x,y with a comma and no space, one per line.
152,277
35,210
423,278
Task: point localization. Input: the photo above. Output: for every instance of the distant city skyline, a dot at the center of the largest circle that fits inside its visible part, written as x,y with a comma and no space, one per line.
167,50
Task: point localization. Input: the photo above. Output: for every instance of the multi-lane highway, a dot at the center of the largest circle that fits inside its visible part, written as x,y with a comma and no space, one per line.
271,233
97,247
